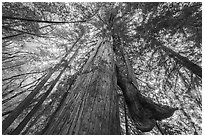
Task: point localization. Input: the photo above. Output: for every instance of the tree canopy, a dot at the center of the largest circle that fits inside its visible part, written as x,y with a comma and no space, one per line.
46,46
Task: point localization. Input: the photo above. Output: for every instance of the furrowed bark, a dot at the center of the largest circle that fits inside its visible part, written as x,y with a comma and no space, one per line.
92,105
51,118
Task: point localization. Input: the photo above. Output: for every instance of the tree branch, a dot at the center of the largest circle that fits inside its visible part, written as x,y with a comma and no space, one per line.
41,21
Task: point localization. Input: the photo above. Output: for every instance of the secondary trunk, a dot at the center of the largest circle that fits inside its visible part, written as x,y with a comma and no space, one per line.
92,105
143,111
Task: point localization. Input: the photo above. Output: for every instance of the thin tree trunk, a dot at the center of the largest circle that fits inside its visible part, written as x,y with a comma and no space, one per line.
194,68
37,106
17,111
38,115
42,21
92,105
51,118
11,36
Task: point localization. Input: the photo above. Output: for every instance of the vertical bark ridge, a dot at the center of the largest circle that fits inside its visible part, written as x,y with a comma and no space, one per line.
70,82
59,117
90,108
71,105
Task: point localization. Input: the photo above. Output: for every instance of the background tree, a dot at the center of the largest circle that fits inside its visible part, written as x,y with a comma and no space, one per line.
101,68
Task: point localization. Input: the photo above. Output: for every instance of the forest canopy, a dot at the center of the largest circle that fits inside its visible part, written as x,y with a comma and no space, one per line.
102,68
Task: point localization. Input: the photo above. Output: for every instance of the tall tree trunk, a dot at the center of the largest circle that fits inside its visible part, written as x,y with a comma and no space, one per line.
92,105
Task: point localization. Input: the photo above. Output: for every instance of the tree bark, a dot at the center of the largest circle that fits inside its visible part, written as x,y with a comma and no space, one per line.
41,21
143,111
17,111
92,105
194,68
37,106
69,83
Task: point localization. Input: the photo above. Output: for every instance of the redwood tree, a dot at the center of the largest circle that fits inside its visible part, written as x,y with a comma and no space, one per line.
73,68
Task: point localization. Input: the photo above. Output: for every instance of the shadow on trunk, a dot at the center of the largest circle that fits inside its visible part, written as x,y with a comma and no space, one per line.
143,111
